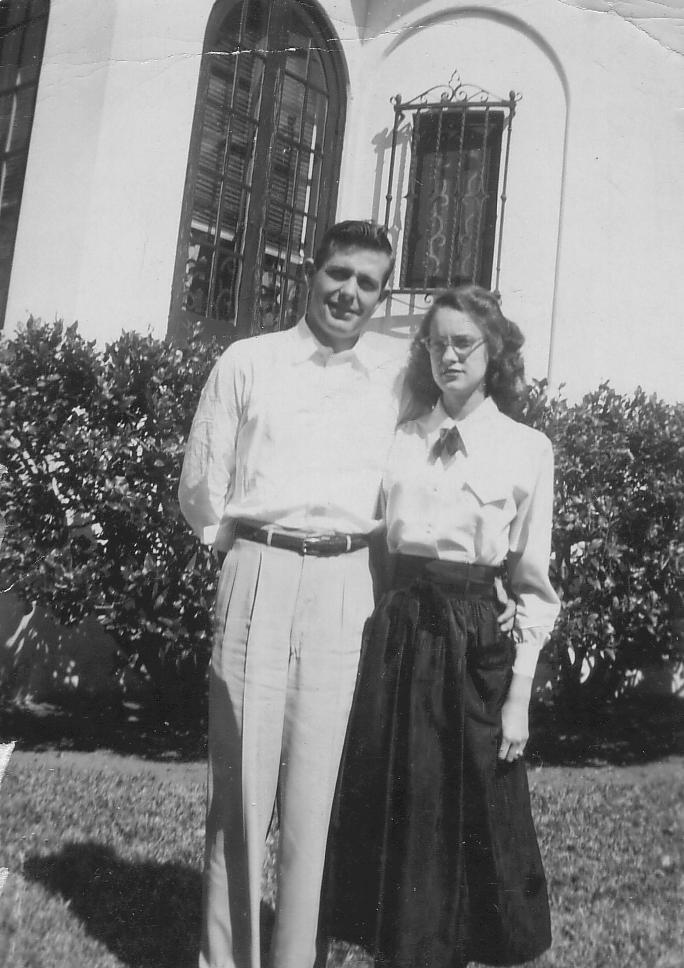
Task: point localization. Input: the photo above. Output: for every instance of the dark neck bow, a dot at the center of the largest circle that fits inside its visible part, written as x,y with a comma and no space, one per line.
447,444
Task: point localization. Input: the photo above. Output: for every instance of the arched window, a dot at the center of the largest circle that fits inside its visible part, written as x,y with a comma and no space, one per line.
23,24
263,167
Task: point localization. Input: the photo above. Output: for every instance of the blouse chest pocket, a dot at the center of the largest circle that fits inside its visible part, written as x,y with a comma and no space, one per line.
493,509
489,487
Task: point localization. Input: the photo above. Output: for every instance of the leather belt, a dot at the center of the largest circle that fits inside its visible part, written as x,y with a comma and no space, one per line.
318,545
445,572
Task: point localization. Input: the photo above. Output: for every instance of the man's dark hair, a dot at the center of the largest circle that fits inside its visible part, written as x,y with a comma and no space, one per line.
357,233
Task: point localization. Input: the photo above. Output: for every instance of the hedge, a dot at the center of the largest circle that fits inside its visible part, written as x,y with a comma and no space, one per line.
93,444
93,441
617,546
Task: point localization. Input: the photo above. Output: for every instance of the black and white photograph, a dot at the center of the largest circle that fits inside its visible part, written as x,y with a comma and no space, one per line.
341,483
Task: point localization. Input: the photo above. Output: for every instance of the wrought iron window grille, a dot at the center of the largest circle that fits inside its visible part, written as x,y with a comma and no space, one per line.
445,177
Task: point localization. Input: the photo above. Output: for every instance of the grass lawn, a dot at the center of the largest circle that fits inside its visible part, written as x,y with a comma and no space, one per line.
104,857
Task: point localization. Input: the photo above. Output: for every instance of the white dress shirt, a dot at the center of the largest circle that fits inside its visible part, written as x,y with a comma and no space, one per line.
491,500
291,434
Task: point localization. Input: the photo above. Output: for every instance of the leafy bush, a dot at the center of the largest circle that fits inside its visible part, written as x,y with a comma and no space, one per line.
93,444
617,539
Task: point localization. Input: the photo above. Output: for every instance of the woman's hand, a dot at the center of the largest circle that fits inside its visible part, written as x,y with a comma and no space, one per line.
515,718
506,618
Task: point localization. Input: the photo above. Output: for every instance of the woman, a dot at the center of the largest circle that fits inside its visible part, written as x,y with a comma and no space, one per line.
433,858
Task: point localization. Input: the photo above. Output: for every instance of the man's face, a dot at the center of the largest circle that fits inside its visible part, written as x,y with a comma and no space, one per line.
343,294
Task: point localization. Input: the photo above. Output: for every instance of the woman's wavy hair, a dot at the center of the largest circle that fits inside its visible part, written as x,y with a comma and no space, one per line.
505,376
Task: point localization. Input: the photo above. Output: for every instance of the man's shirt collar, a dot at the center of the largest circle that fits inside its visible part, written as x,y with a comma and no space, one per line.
306,346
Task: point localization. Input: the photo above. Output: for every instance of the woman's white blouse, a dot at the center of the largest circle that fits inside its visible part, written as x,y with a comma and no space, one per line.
492,500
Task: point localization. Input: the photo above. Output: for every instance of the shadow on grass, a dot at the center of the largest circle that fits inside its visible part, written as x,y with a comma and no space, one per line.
629,731
633,730
147,914
130,730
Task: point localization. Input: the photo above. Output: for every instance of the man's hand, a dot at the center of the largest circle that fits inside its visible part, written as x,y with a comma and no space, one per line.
506,618
515,718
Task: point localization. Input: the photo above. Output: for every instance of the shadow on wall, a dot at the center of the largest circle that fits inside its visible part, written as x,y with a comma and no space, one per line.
43,661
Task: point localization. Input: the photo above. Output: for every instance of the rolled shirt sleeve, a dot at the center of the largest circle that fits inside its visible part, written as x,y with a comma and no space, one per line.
528,563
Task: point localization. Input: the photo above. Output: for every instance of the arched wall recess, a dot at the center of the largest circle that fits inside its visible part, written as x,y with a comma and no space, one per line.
498,53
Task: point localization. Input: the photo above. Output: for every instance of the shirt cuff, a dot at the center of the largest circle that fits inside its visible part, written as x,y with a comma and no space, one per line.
528,646
209,534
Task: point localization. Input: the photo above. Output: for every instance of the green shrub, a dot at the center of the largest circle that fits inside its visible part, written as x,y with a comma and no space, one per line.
617,538
93,445
93,442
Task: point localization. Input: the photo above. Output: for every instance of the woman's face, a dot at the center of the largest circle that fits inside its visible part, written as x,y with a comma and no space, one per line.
458,358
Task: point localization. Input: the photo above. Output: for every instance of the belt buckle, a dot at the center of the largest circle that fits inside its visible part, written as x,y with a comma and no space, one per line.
313,544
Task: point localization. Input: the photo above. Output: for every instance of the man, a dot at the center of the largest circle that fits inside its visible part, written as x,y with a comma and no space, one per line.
282,471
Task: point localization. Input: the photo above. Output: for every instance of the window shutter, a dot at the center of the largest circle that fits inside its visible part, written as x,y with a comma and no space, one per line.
269,113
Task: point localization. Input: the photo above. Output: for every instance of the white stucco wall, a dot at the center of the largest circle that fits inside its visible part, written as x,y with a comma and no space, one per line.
595,221
109,149
617,287
54,222
497,56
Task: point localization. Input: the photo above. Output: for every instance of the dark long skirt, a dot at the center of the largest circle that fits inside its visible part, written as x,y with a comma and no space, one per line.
433,859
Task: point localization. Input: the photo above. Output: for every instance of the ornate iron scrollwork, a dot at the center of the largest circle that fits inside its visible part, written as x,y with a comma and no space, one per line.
446,197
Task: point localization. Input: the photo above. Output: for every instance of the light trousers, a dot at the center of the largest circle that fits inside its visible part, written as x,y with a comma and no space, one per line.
286,649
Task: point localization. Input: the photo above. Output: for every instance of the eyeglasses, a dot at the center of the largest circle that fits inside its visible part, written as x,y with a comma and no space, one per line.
461,346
